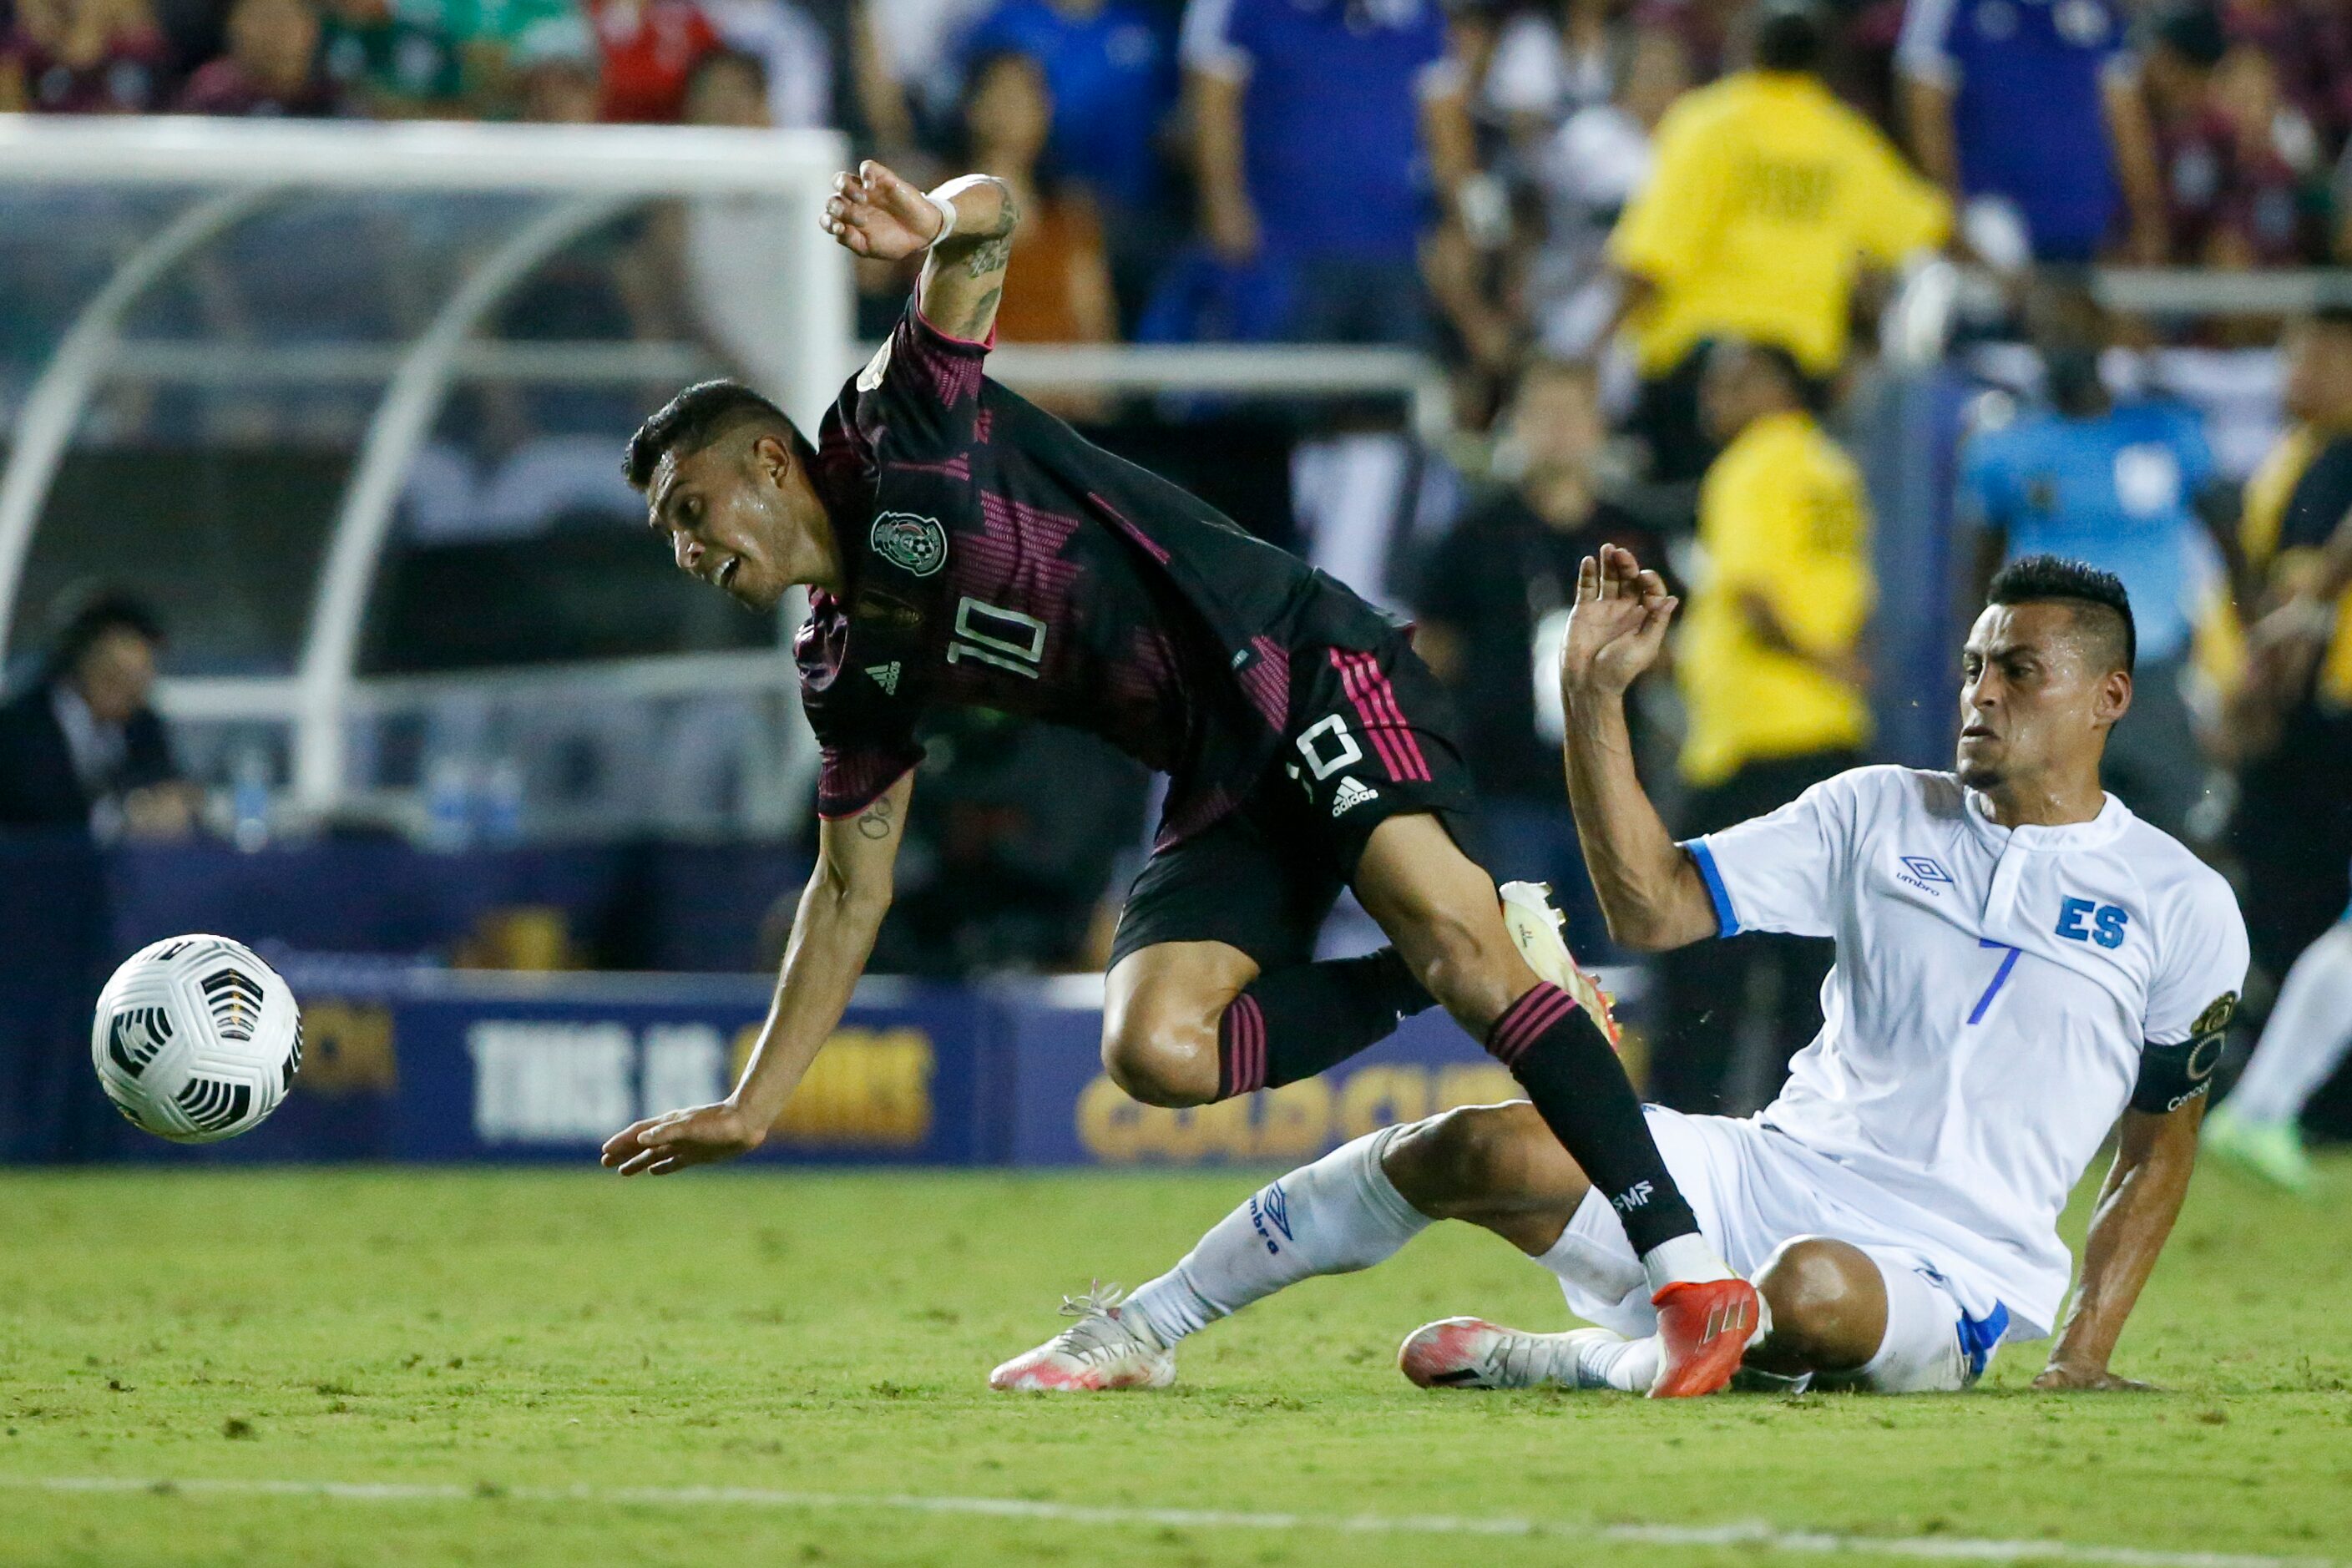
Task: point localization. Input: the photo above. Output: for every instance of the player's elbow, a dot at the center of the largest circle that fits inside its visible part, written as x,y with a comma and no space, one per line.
1640,932
851,897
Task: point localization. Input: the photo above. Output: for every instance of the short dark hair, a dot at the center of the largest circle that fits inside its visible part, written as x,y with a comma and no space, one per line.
2097,598
695,418
106,612
1788,37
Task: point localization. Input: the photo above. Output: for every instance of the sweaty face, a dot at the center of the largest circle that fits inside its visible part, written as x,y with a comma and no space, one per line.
2036,702
728,513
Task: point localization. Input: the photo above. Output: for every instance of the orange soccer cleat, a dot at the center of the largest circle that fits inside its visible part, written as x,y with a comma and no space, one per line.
1703,1328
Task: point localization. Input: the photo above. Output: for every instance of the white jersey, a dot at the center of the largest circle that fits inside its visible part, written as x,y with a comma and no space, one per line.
1993,991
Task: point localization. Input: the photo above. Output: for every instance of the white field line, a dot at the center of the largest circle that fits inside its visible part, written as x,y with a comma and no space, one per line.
1753,1535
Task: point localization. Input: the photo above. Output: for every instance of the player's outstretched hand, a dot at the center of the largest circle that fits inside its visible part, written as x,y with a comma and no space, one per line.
701,1136
1617,627
2063,1376
873,211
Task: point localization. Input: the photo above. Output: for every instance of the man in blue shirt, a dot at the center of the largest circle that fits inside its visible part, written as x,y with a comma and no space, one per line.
2116,485
1330,134
2036,104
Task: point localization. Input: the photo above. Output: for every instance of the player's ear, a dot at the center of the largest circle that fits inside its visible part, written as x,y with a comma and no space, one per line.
2113,697
772,459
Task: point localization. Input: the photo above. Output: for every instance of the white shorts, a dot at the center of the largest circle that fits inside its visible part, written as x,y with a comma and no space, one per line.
1753,1189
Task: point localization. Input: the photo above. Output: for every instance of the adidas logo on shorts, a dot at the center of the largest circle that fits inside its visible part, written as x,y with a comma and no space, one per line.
1352,792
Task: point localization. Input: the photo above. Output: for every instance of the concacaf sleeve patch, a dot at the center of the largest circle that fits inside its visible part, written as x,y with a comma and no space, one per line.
2217,1013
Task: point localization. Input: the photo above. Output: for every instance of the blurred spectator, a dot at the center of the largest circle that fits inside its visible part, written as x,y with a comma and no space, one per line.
1548,62
1058,290
497,39
1490,599
2036,111
271,67
795,55
1588,170
904,65
2288,723
648,49
1771,670
2308,44
2236,155
558,77
1311,120
389,62
1704,28
1768,199
2116,485
80,748
1110,78
82,56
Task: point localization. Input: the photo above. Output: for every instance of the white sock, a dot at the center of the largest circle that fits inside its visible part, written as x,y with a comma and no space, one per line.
1334,1216
2308,1033
1690,1258
1606,1359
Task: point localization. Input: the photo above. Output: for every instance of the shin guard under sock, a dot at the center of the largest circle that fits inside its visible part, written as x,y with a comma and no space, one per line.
1294,1022
1562,1059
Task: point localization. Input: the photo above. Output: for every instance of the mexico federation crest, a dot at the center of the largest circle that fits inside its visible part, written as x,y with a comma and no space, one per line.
918,544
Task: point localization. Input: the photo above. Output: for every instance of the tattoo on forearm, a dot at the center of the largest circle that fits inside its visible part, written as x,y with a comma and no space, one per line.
983,311
988,256
874,821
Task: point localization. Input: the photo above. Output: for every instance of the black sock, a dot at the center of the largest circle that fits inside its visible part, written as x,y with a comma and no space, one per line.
1295,1022
1562,1059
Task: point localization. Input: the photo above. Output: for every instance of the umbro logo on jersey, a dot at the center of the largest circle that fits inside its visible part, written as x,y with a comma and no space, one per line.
1919,871
1351,792
886,676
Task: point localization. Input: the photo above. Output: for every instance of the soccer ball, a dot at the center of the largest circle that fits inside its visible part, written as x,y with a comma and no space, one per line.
196,1040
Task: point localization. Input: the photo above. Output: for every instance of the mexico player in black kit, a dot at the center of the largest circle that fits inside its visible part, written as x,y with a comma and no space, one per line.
963,547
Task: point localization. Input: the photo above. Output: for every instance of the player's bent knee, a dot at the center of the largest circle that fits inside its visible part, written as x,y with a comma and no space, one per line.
1828,1303
1161,1064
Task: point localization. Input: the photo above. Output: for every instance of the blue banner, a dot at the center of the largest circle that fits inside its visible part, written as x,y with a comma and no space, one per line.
447,1067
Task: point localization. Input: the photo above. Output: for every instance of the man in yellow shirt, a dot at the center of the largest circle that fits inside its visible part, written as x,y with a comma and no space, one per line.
1768,200
1771,674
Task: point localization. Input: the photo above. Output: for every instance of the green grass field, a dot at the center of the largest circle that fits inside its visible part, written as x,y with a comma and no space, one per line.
483,1342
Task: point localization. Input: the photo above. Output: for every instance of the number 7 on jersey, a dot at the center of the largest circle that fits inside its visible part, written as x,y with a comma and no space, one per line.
2000,977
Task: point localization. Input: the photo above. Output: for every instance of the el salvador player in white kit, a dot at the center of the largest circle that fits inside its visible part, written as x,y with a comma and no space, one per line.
2022,965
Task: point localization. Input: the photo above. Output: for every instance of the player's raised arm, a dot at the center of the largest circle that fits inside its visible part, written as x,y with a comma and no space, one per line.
1653,895
966,225
833,935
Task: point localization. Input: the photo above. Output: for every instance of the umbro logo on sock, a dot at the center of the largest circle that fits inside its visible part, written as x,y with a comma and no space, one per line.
886,676
1352,792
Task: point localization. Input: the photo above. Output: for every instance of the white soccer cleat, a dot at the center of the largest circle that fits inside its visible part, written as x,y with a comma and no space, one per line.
1471,1353
1101,1351
1535,926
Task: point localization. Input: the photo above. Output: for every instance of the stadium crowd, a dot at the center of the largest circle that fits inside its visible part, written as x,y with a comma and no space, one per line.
1521,188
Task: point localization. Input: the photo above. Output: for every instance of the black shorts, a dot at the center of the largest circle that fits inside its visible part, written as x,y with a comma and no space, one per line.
1371,737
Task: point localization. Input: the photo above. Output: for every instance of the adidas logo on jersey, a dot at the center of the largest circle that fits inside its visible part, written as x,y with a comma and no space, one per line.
886,676
1352,792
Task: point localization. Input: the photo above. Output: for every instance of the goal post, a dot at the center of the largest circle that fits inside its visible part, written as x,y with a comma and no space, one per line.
146,203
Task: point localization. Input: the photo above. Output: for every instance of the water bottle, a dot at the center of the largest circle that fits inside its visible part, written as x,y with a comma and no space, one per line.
248,799
448,825
501,818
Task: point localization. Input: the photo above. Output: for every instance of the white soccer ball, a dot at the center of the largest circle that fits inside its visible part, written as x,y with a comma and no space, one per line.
196,1040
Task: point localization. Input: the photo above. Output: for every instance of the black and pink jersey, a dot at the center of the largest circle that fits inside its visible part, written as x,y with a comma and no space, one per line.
994,558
